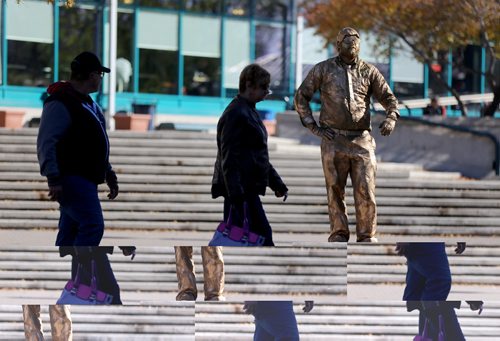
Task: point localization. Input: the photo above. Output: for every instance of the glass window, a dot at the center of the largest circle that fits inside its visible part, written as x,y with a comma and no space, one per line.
407,75
201,36
466,59
436,88
239,8
158,54
313,50
80,29
496,73
157,31
167,4
204,6
236,52
270,53
273,9
124,51
38,14
201,76
158,71
29,63
30,47
201,50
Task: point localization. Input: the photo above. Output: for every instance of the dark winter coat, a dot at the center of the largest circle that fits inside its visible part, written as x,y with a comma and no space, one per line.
242,166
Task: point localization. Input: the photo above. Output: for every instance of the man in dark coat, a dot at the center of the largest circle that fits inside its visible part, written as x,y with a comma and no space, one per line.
73,152
242,169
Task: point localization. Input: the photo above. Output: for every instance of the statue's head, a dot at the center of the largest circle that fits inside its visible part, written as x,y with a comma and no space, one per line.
348,44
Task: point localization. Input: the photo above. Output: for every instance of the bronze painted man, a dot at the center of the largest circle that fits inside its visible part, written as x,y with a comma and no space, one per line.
213,273
346,84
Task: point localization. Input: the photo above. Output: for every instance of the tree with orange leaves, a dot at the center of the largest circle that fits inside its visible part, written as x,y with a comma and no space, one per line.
427,27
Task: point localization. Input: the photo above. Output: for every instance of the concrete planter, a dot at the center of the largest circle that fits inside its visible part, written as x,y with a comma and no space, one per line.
135,122
11,118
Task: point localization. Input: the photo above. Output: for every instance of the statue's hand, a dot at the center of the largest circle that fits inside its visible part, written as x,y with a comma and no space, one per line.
387,126
320,131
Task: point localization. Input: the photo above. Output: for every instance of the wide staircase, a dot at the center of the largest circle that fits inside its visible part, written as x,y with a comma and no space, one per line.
356,321
165,189
35,274
173,321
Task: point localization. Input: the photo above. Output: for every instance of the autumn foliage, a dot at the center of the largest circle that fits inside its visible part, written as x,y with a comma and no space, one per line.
426,26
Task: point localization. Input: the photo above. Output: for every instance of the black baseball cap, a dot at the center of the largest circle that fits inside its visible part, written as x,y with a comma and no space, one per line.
87,62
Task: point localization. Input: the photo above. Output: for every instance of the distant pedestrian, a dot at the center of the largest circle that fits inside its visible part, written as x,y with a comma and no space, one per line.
434,108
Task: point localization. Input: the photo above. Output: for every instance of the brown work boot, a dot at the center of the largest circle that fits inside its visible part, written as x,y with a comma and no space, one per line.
368,240
337,238
185,296
216,298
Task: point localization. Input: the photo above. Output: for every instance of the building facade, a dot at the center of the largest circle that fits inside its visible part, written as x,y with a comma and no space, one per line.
184,56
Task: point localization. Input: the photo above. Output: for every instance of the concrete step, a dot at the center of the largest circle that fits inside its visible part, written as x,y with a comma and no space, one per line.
281,218
296,230
165,186
215,208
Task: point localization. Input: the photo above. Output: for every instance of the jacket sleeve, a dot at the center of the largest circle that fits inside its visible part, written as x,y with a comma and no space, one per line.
305,93
231,153
382,92
275,182
54,123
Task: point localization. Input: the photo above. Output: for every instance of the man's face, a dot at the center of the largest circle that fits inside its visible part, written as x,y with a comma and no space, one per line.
96,79
260,91
349,47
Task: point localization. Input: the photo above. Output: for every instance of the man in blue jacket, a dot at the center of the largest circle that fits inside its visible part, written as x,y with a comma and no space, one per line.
73,152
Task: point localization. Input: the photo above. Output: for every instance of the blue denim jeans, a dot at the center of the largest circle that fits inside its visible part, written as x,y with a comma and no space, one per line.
428,277
275,321
81,222
452,329
256,217
106,280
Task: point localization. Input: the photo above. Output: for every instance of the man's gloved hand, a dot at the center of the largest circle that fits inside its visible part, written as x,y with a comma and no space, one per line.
280,194
460,248
387,126
401,248
320,131
55,192
309,305
128,251
250,307
476,305
112,182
